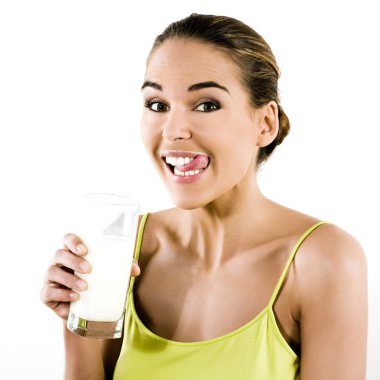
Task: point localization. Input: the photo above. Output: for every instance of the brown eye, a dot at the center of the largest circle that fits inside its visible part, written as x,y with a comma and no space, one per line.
207,107
157,106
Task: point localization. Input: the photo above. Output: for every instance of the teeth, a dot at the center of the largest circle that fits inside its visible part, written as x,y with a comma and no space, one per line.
178,161
177,172
186,174
181,161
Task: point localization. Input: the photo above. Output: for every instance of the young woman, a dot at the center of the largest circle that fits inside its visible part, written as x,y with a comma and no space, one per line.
232,285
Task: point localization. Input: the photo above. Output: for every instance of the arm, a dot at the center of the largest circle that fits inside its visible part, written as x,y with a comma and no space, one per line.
333,311
90,359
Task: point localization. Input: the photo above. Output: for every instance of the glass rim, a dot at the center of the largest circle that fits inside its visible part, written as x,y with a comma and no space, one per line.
112,199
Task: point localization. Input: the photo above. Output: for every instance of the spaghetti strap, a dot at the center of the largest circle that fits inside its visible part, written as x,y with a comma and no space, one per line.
139,239
285,271
140,236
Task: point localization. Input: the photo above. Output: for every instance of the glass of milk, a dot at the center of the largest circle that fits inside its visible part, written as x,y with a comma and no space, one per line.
108,229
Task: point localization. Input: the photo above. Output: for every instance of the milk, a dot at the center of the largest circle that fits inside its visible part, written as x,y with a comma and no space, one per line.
107,283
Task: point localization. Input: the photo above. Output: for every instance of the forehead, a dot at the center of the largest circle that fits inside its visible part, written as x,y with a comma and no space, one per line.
183,61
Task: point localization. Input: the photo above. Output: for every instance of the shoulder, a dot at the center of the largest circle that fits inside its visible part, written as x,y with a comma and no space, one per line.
327,245
158,226
331,247
328,263
330,274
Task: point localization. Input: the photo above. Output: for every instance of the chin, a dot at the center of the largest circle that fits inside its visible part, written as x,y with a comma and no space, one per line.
187,204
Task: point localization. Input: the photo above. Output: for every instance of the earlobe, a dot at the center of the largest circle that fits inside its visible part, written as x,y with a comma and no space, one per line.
269,124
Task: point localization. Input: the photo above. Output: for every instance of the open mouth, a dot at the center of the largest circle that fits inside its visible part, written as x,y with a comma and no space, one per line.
186,166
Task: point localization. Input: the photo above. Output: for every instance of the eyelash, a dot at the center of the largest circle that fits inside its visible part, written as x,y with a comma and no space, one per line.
149,103
215,104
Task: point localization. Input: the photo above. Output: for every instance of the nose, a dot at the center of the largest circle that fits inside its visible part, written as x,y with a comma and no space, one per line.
176,127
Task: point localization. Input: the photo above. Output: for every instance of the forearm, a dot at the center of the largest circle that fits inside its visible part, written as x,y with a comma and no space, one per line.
83,357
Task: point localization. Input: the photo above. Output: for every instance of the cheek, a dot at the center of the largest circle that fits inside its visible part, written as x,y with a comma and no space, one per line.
238,149
237,140
150,134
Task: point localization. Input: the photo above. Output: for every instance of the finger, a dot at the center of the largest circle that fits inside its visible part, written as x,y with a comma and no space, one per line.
62,309
57,275
52,295
73,243
67,259
135,270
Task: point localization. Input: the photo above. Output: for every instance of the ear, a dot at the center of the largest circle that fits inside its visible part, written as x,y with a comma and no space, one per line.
268,124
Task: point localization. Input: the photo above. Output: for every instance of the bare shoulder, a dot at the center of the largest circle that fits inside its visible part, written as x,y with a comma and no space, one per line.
330,273
328,245
329,258
157,228
330,262
331,281
331,251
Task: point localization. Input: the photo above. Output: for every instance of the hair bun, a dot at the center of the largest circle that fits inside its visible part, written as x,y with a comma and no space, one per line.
284,126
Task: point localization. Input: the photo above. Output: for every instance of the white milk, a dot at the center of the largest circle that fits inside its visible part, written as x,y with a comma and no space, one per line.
107,283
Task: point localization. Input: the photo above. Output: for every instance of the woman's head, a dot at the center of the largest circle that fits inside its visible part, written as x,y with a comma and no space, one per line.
253,57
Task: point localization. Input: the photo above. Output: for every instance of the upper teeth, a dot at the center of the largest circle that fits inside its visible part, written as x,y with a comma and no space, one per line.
178,161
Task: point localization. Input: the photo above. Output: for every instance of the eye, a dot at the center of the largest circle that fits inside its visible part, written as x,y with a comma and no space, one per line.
156,106
207,107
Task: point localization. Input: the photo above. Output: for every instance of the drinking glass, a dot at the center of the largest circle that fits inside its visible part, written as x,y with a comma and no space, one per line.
108,229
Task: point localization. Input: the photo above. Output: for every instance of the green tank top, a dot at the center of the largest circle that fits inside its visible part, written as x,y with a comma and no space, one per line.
256,350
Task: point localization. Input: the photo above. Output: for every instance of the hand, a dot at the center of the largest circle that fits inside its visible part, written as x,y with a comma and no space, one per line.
61,285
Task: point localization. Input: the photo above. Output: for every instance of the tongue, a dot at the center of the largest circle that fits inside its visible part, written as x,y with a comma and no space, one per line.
200,162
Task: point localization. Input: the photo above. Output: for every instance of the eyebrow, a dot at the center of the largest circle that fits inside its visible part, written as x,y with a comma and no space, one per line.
199,86
193,87
151,84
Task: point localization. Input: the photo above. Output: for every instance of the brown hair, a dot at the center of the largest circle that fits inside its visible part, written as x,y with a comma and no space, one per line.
248,50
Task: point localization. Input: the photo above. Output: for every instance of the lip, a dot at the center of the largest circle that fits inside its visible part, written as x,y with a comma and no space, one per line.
189,179
184,179
178,153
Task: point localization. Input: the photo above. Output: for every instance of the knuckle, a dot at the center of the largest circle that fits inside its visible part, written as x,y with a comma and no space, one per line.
62,313
70,238
61,253
48,273
45,294
58,253
52,269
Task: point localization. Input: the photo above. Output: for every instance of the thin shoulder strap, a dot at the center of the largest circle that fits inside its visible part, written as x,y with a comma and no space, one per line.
286,269
139,239
140,236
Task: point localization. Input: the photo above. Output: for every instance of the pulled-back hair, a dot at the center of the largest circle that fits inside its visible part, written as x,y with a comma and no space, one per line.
248,50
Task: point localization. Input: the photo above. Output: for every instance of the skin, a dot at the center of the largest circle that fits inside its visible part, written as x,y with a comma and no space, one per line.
225,244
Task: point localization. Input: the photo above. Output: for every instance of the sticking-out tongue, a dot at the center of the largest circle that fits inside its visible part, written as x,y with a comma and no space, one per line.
200,162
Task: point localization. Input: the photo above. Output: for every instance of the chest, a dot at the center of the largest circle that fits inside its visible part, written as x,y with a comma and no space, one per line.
178,299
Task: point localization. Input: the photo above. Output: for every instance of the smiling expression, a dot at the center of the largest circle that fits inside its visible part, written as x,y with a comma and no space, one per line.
197,125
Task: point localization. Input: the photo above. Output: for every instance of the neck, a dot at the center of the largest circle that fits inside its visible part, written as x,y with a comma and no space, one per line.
214,232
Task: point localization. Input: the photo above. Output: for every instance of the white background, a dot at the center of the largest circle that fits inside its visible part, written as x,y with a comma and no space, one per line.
70,77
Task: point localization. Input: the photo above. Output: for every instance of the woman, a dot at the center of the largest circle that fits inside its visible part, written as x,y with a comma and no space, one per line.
232,285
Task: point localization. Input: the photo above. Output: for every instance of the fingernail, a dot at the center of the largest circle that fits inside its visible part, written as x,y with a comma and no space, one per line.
85,266
80,285
74,296
81,248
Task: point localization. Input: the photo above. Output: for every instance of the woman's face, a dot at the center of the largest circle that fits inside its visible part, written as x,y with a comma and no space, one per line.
197,124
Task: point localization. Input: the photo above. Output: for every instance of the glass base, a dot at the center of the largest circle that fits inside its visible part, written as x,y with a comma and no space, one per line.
91,329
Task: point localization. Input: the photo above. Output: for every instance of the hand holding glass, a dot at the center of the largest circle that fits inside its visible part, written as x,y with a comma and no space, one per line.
109,231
